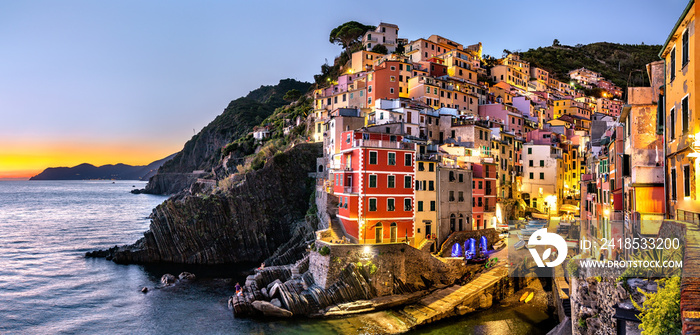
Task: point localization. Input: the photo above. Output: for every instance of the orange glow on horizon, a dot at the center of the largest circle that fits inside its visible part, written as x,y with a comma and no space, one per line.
29,159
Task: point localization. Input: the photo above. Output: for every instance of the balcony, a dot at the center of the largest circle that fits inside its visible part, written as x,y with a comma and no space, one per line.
347,189
428,157
373,39
383,144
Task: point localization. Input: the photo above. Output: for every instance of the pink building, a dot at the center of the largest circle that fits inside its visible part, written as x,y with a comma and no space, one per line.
511,117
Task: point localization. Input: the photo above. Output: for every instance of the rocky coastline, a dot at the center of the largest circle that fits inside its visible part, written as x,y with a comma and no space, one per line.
263,215
391,277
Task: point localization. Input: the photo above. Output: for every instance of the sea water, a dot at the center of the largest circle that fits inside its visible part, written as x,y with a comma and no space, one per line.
47,286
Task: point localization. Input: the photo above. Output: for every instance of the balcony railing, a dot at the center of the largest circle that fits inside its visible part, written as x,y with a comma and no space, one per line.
383,144
428,157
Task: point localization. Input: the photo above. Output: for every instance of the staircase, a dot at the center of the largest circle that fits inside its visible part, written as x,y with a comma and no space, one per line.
337,231
426,244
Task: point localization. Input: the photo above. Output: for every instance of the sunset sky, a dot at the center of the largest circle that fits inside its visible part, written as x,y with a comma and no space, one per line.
107,82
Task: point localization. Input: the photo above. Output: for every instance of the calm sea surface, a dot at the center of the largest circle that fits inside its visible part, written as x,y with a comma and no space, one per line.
48,287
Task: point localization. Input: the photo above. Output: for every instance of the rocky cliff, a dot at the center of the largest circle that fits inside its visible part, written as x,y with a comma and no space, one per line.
248,222
203,151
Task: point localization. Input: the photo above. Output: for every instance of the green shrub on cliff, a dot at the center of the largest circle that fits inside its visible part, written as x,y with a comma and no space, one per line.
661,311
573,268
324,251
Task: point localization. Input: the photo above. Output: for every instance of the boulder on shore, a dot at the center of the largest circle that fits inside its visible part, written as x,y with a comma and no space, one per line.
187,276
269,309
167,279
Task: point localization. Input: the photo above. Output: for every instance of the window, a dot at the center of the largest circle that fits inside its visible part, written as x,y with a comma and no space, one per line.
373,157
393,68
431,185
407,160
532,175
390,205
391,90
480,202
407,204
672,64
673,184
481,185
685,114
541,163
460,196
541,175
452,196
432,206
685,52
392,158
406,181
686,181
672,125
430,167
420,206
461,177
373,180
372,204
391,181
369,89
421,167
452,176
531,163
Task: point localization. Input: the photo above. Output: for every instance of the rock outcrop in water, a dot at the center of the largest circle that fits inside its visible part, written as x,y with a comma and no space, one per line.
262,216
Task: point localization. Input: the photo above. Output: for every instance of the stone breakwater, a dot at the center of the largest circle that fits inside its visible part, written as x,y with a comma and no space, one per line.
249,222
339,279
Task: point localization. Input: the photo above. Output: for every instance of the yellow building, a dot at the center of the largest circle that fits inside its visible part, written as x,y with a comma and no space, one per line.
426,211
571,107
682,128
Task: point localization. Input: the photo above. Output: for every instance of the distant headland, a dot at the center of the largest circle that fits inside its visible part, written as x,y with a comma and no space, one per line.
112,171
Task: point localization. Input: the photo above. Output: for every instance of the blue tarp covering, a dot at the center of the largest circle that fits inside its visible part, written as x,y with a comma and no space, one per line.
470,248
456,250
484,244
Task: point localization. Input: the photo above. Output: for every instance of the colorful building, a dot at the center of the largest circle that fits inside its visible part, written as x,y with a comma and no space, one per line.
682,128
375,187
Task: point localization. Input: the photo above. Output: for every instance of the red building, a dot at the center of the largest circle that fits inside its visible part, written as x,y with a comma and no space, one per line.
486,172
375,187
477,202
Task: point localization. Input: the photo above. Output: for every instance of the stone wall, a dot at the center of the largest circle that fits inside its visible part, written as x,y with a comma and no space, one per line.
393,265
596,291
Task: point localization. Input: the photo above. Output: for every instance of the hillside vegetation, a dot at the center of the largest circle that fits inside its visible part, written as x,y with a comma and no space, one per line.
614,61
240,116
